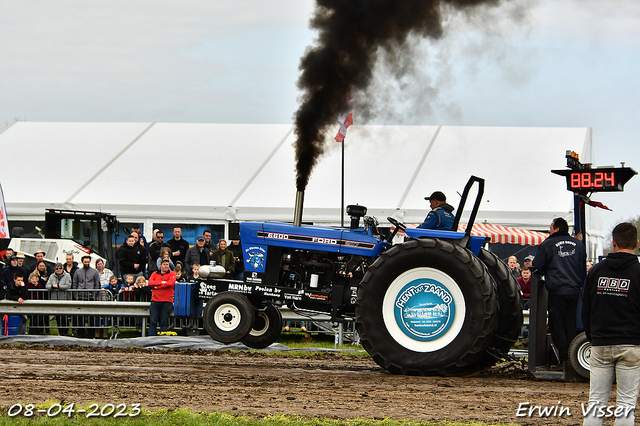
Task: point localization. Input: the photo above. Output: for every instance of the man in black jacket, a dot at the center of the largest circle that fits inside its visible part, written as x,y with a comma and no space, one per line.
131,258
179,246
196,254
208,242
10,270
17,291
610,315
561,258
154,250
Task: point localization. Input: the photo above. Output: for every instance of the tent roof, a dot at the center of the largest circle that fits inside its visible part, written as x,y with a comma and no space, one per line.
184,172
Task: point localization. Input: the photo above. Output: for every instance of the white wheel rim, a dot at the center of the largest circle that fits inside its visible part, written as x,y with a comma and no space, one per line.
262,330
227,317
584,355
423,309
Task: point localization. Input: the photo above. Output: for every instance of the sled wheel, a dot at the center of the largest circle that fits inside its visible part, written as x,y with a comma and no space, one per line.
510,300
580,355
192,331
228,317
426,306
192,328
266,328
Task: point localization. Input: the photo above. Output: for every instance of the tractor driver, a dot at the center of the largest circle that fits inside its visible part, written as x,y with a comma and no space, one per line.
440,217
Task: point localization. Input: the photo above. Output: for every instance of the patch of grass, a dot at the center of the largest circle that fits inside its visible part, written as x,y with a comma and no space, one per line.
185,417
295,339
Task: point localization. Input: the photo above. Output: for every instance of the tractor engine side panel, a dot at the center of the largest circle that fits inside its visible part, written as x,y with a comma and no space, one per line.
309,268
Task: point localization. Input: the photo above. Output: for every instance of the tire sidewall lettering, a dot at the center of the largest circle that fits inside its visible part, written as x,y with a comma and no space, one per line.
424,309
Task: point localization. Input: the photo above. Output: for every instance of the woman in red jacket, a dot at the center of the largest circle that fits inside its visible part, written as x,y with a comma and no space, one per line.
162,284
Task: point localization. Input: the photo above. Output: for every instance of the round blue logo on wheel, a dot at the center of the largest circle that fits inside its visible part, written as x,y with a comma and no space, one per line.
424,309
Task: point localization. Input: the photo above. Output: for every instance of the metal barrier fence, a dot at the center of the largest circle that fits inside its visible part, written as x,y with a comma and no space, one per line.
100,313
88,313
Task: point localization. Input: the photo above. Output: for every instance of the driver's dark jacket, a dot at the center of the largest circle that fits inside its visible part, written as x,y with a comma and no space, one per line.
439,218
561,258
611,301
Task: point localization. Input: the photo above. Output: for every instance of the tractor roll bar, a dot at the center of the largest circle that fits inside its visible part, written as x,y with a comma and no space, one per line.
476,205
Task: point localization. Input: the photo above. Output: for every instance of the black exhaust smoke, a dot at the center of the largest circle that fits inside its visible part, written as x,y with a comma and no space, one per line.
351,34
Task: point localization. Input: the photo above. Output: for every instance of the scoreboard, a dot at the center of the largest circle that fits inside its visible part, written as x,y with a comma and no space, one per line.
609,179
582,178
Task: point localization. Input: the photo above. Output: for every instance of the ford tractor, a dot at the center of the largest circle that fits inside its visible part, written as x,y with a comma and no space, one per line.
436,303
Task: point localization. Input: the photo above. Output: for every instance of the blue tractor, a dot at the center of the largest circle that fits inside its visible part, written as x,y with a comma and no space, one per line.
437,303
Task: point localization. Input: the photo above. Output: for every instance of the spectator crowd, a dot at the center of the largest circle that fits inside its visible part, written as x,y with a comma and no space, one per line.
137,260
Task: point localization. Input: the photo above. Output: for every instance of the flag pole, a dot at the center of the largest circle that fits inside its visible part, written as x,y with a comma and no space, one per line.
342,198
345,120
4,222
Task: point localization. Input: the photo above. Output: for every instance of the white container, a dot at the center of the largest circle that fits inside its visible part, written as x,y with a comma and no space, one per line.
314,281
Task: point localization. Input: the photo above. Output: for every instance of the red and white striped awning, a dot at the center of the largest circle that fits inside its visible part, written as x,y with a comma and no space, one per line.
503,234
506,234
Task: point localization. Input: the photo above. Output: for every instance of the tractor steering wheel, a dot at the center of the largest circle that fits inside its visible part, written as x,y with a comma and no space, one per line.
398,227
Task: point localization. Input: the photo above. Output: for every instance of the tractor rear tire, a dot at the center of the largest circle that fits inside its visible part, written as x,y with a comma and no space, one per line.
580,355
266,328
426,306
228,317
510,316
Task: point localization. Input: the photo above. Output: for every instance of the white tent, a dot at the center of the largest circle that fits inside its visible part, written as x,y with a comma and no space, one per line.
220,173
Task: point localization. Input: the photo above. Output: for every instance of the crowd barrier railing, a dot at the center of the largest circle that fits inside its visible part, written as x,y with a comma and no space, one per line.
90,311
97,310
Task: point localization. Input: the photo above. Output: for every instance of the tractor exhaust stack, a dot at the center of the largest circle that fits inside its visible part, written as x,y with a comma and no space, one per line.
297,213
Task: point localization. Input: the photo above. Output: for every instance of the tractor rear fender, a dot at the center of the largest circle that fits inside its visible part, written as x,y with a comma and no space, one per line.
474,244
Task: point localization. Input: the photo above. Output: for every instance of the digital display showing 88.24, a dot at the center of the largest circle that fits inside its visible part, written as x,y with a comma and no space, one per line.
592,180
603,179
583,179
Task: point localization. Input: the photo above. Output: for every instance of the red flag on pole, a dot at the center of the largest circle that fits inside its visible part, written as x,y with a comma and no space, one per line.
345,120
585,200
598,204
4,223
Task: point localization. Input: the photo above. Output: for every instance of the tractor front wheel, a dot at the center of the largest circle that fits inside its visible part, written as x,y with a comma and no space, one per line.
228,317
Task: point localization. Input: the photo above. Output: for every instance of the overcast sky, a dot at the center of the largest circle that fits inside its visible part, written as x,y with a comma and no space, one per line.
546,63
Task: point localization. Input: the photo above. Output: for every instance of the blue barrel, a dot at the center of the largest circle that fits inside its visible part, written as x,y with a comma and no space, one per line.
184,300
12,321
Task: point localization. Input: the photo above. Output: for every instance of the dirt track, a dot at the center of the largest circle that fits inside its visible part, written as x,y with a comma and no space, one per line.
331,385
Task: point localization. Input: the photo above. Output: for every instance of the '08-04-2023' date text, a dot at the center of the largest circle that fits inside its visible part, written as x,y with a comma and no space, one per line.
70,410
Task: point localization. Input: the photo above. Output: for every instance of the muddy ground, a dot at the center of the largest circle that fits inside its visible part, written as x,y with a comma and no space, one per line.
329,385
